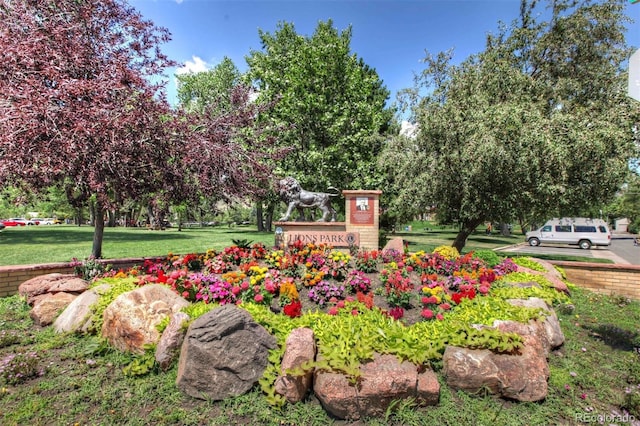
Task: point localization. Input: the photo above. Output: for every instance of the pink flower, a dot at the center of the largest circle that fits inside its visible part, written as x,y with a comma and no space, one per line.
354,312
427,313
175,275
583,396
439,317
333,299
185,294
235,290
244,285
445,306
258,298
333,311
567,387
483,289
340,304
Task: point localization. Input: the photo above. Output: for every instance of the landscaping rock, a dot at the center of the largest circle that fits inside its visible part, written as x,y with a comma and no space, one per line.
522,377
224,354
396,244
171,340
130,321
77,315
550,325
51,283
383,380
49,307
300,348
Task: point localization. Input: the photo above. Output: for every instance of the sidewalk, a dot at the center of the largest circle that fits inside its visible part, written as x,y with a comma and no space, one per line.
608,254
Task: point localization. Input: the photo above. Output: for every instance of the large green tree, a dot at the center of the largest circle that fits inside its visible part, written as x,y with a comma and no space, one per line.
209,88
536,125
329,102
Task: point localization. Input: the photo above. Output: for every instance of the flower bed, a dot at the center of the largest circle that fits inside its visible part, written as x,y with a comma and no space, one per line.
409,304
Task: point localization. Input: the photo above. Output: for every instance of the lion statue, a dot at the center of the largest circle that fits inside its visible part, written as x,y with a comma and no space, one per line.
297,198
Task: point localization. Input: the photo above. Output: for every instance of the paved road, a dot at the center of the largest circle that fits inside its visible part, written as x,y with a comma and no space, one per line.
621,250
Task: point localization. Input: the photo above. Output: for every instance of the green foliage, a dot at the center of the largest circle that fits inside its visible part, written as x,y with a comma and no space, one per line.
490,257
507,133
142,364
524,277
335,101
527,262
211,88
243,244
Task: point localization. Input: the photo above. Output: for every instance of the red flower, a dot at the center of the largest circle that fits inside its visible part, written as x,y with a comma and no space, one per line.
293,309
396,312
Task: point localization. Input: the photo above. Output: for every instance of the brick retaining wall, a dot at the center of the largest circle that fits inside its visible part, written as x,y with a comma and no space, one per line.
604,278
12,276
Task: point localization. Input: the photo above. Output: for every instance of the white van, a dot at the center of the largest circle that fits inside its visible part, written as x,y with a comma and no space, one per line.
579,231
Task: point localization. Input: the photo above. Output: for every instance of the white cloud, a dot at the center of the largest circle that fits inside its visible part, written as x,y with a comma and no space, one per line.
195,65
408,129
179,1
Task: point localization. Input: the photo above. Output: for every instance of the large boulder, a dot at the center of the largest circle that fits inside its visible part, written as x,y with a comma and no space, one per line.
522,377
300,348
77,315
171,340
224,354
130,321
49,307
51,283
383,380
550,326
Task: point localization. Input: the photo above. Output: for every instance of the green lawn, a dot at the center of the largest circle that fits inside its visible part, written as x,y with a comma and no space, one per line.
595,373
61,243
46,244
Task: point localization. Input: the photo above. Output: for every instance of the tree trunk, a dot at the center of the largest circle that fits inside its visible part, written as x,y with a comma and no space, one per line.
467,228
259,221
98,231
504,229
269,217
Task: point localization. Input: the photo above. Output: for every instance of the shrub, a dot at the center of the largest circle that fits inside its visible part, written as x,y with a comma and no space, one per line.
490,257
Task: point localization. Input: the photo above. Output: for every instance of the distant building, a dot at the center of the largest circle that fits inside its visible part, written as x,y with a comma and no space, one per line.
621,225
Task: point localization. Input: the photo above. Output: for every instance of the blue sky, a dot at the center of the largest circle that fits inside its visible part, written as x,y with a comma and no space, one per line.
389,35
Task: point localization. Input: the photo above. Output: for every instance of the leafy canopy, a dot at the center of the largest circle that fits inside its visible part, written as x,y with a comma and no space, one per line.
330,103
536,125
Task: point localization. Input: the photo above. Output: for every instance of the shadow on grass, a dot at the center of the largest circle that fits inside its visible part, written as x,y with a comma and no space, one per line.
85,233
614,336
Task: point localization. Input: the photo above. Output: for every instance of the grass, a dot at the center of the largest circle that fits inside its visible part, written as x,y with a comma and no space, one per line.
47,244
61,243
84,383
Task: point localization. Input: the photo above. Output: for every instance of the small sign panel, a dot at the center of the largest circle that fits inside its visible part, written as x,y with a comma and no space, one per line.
361,211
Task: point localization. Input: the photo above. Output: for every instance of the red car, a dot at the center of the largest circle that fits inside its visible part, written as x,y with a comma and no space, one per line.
13,222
